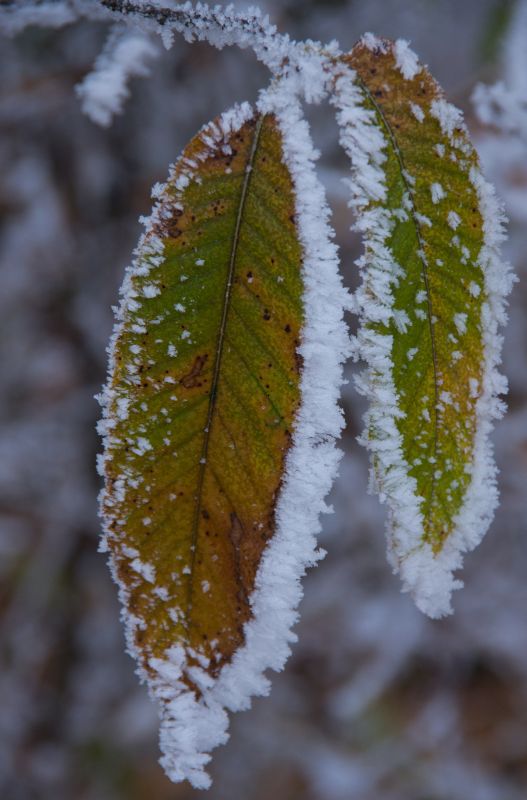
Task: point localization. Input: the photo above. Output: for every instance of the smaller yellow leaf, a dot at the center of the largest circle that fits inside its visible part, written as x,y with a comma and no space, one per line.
432,297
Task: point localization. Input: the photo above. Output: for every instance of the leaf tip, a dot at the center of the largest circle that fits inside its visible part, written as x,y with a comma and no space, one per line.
429,578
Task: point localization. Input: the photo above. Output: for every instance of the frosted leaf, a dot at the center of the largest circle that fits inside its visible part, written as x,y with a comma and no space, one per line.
233,569
427,426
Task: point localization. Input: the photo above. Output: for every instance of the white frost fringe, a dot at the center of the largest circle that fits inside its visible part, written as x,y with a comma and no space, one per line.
190,727
427,576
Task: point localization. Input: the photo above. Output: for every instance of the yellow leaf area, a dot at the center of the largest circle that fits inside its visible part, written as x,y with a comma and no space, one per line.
206,367
436,239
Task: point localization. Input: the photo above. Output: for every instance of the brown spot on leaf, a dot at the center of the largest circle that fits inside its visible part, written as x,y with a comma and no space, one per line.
236,530
190,380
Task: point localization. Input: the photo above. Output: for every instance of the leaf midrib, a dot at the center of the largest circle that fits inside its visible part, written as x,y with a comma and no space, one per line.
424,273
218,358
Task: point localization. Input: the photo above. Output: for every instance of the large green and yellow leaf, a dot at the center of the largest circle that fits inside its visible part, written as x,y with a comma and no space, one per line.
426,312
215,472
202,394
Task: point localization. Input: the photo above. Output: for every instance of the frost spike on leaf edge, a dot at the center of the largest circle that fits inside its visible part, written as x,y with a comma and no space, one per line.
192,727
425,564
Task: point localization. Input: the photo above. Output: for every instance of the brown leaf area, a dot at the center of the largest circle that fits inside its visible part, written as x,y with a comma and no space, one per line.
208,367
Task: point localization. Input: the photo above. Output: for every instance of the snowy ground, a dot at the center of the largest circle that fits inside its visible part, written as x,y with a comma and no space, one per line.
377,703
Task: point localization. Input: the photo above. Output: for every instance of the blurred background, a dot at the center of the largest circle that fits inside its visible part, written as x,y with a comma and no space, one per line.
377,702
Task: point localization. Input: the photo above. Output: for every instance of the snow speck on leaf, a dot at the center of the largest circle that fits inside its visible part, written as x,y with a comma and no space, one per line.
432,229
219,447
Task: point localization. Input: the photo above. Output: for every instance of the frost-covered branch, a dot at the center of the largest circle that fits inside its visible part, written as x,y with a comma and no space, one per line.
223,26
104,90
16,15
217,25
